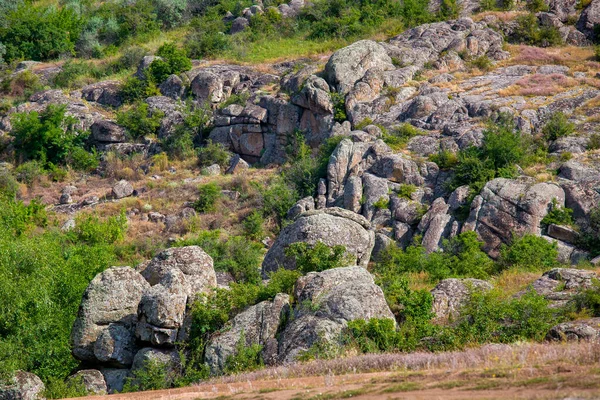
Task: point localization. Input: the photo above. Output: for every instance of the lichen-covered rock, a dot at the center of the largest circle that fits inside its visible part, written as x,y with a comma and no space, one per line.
326,301
559,285
450,294
256,325
197,268
115,379
122,189
173,87
346,66
332,226
511,207
92,381
301,206
588,329
106,93
105,324
23,386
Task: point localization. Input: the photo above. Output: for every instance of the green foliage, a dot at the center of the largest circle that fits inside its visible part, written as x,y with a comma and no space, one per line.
34,32
558,215
382,203
180,143
557,126
503,144
135,89
253,225
535,6
153,375
529,252
42,279
213,153
449,9
483,63
277,198
591,236
236,98
245,358
132,56
589,300
445,159
48,137
462,257
91,230
139,121
29,172
208,195
82,160
594,142
207,38
317,257
406,191
339,106
235,254
529,31
374,336
399,136
174,61
57,388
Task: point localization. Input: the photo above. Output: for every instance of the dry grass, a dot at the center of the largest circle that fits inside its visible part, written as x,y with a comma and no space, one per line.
540,85
503,16
513,281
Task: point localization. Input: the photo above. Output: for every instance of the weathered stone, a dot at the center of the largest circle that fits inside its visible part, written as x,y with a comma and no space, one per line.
106,93
450,295
559,285
332,226
237,165
23,386
108,310
144,65
256,325
115,379
564,233
207,87
338,295
238,25
588,329
92,380
122,189
172,87
301,206
105,131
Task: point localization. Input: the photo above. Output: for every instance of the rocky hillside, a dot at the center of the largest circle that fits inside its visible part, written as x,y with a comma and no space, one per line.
167,219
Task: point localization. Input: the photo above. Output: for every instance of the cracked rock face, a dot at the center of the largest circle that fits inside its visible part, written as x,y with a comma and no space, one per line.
508,208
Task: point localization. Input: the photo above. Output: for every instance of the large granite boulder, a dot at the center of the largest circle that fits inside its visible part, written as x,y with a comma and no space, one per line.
332,226
23,386
450,295
104,328
326,301
257,325
508,208
92,381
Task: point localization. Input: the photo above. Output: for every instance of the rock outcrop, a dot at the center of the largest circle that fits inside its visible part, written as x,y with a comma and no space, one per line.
23,386
332,226
588,329
450,294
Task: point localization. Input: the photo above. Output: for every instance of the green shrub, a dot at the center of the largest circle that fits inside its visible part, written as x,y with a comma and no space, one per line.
339,106
208,195
82,160
588,300
277,198
535,6
174,61
236,98
399,136
48,137
29,172
557,126
594,142
590,239
91,230
70,72
449,9
8,184
245,358
482,63
529,31
529,252
135,89
139,121
153,375
445,159
196,122
132,56
318,257
558,215
406,191
374,336
207,38
503,144
213,153
381,204
253,225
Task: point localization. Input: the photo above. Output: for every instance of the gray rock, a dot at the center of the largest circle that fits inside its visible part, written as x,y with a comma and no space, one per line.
107,93
256,325
108,310
122,189
332,226
559,285
238,25
588,329
301,206
172,87
212,170
326,301
144,65
207,86
353,193
511,207
23,386
237,165
65,198
459,197
92,380
104,131
590,17
115,379
435,225
197,268
564,233
348,65
450,295
398,168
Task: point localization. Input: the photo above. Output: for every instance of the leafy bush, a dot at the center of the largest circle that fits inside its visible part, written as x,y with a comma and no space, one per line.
529,252
594,142
180,143
29,172
135,89
139,121
406,191
462,257
91,230
174,61
399,136
34,32
213,153
82,160
339,106
482,63
449,9
132,56
277,198
445,159
535,6
153,375
207,38
253,225
558,215
208,195
557,126
588,300
245,358
318,257
529,31
49,137
590,239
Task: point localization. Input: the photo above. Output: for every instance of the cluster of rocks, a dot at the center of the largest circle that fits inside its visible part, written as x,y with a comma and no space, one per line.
286,10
